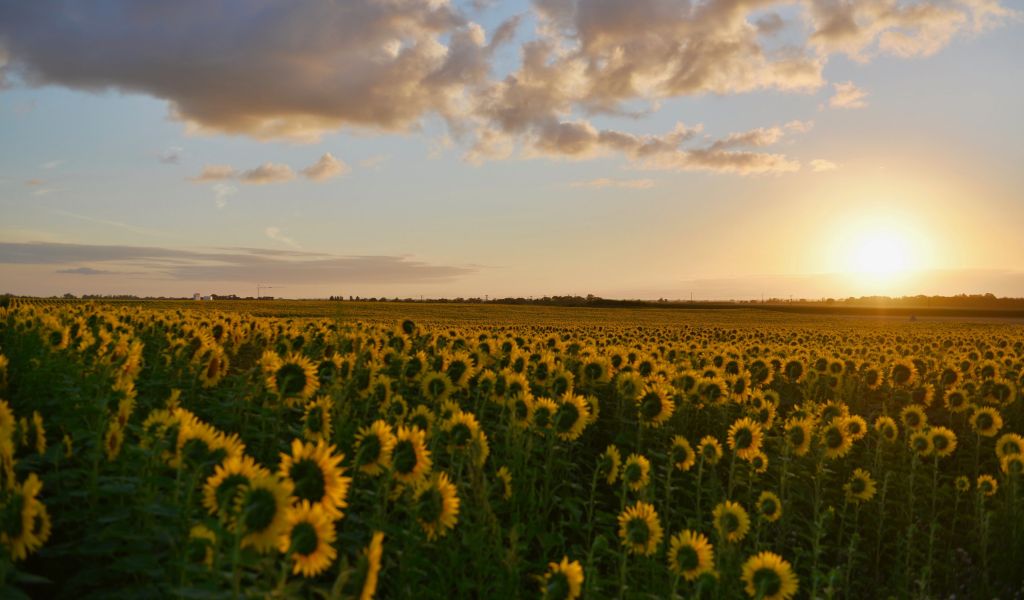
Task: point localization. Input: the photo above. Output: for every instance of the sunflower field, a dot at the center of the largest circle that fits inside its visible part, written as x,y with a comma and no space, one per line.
160,451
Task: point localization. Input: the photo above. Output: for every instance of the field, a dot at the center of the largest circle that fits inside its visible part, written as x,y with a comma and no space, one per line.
347,450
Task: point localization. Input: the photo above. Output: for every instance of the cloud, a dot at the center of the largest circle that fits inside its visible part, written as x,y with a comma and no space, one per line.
233,264
52,164
847,95
267,173
212,173
86,271
819,165
221,192
326,168
171,156
275,234
303,68
606,182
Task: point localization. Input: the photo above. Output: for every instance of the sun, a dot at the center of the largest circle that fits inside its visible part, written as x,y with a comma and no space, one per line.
880,252
877,255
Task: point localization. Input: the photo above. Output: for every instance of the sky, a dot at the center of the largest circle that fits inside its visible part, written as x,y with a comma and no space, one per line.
711,149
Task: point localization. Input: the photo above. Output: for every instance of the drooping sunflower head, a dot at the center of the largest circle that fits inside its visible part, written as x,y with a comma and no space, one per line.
799,432
640,529
769,577
608,464
543,414
18,517
769,507
636,472
860,487
317,419
731,521
681,454
690,554
307,539
563,581
436,505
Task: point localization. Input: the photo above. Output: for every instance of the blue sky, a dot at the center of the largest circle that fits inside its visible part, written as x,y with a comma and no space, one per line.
916,188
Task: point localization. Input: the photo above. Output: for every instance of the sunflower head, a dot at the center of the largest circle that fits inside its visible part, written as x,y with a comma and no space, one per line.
710,450
769,577
640,529
769,507
681,454
860,487
731,521
436,505
636,472
690,554
608,464
987,485
307,539
563,581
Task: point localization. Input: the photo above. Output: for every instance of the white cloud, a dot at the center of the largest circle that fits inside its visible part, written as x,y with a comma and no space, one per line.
819,165
267,173
275,234
326,168
847,95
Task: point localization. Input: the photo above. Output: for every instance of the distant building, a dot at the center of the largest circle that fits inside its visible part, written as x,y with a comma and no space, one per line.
207,297
196,296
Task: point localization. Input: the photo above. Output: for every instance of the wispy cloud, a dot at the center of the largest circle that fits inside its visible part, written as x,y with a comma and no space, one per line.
232,264
275,234
110,223
212,173
607,182
820,165
267,173
847,95
326,168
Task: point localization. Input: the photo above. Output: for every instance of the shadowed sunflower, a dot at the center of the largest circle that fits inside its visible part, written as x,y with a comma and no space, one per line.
769,577
410,460
731,521
316,475
465,436
504,477
986,421
18,515
956,401
769,506
903,373
920,443
681,454
372,555
636,472
307,539
202,542
292,378
571,417
887,428
860,487
373,448
608,464
543,414
1012,464
987,485
436,505
220,493
710,450
962,484
799,432
690,554
640,529
655,405
261,514
745,438
317,422
943,441
563,581
834,439
1009,443
913,417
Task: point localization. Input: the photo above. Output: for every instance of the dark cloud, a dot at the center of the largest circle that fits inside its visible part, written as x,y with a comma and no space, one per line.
230,264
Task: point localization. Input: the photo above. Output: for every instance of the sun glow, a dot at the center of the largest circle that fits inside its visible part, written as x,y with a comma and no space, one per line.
881,255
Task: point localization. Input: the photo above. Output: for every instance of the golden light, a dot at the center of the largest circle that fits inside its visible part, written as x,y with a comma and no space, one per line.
879,255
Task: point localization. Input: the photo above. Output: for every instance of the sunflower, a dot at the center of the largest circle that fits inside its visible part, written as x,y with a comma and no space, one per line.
856,427
293,377
202,542
731,521
799,432
316,475
943,441
710,450
372,554
563,581
595,370
920,443
681,454
543,414
629,385
986,421
437,505
745,437
374,445
636,472
860,487
221,490
769,506
410,460
956,401
835,439
571,417
18,515
962,484
690,554
521,409
213,365
903,373
465,435
759,462
655,405
640,529
316,420
608,464
261,511
38,433
113,439
421,418
887,428
913,417
436,387
1012,464
769,577
1009,443
307,538
987,485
